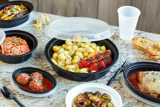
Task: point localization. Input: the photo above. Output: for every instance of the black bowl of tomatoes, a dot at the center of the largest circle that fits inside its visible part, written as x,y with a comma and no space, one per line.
34,80
83,76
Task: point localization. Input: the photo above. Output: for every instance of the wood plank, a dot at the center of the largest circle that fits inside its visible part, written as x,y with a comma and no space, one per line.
150,15
58,7
82,8
3,1
107,10
34,2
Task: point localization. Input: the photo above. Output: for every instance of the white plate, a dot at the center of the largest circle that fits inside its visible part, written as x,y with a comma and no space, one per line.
135,95
21,25
30,94
93,87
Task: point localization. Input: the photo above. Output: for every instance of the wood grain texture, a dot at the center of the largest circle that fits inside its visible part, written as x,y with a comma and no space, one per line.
82,8
57,7
149,19
107,10
3,1
34,2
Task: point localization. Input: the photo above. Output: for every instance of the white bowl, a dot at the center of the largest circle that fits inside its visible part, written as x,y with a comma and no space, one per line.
93,87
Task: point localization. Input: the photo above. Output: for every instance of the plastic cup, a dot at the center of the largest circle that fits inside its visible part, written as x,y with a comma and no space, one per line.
128,18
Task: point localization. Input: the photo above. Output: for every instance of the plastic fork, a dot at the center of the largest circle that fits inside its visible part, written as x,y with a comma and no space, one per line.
124,65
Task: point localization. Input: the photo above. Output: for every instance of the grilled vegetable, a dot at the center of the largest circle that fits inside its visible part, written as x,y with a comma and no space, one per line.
106,97
97,93
89,99
81,98
110,104
104,104
86,103
94,98
13,11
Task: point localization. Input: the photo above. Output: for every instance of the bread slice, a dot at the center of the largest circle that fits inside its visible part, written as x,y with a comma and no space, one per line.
38,26
142,43
153,50
43,19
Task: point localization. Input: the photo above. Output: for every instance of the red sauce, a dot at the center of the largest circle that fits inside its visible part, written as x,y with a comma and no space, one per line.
46,85
133,79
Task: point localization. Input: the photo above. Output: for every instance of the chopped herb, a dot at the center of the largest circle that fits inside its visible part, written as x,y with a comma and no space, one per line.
13,41
96,57
6,12
18,42
13,10
44,86
152,73
81,58
5,42
88,59
154,79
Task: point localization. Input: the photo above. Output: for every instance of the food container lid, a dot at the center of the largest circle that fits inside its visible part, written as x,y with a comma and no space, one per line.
2,36
67,28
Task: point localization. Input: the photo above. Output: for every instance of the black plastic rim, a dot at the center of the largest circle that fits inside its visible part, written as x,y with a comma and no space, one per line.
141,66
45,74
22,34
17,21
86,75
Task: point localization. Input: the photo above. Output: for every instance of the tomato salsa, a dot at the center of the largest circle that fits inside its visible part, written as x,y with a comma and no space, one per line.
34,81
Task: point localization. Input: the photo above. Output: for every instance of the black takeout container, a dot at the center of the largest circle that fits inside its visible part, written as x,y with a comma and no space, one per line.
141,66
32,43
30,70
17,21
81,76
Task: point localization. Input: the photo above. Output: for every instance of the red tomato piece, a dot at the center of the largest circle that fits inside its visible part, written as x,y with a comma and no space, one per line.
36,76
102,64
98,56
92,58
94,66
36,85
84,63
108,60
108,52
23,79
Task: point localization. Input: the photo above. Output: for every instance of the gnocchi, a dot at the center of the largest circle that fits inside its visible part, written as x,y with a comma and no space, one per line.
68,55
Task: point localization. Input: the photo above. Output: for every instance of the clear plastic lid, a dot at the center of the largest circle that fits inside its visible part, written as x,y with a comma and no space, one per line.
79,29
2,36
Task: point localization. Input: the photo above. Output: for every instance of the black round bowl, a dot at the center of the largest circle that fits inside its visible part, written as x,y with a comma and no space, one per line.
141,66
30,39
45,74
81,76
17,21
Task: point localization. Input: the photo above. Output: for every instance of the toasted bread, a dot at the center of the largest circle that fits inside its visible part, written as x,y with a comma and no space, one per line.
43,19
153,51
38,26
142,43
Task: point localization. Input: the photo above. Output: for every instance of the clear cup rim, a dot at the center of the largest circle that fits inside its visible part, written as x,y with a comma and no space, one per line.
130,7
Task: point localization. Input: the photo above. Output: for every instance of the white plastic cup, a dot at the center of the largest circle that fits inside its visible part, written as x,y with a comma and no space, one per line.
128,18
